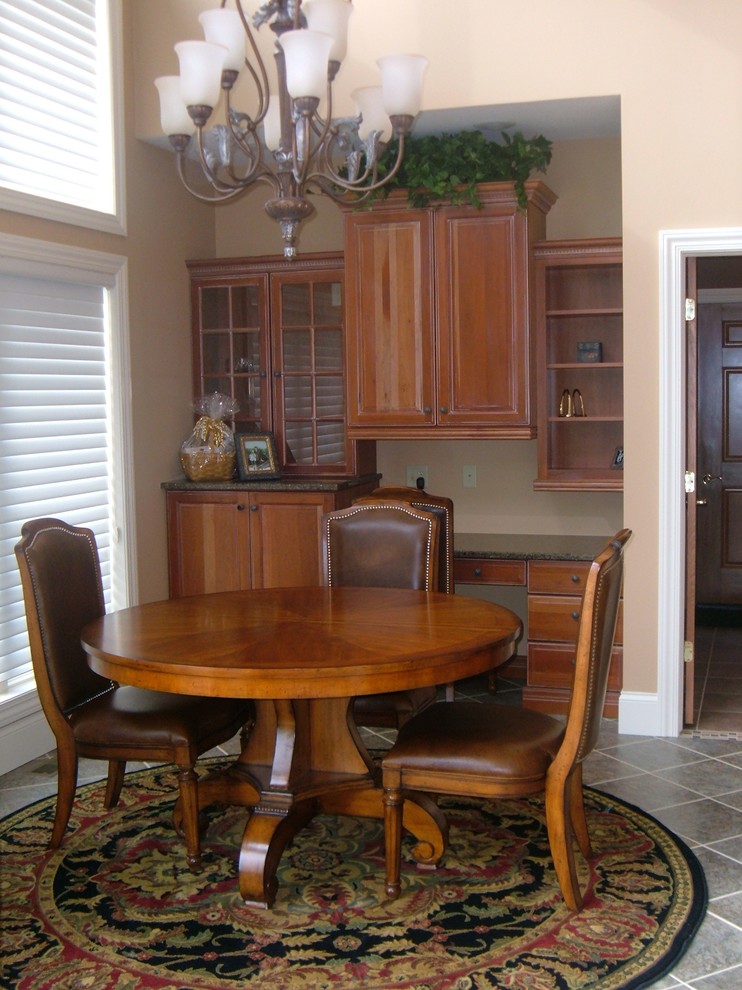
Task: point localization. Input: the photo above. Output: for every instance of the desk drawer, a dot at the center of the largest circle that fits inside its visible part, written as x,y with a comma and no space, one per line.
553,666
557,577
479,570
555,618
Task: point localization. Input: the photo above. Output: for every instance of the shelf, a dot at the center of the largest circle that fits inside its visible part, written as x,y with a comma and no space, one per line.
585,419
559,314
584,365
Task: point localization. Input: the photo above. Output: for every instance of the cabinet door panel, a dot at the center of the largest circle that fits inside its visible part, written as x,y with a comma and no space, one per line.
390,350
482,266
209,544
284,531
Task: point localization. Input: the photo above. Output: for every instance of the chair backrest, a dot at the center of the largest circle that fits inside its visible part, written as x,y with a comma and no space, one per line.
441,507
386,544
62,592
595,638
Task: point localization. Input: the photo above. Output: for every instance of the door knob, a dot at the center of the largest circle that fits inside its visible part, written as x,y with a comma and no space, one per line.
708,478
702,501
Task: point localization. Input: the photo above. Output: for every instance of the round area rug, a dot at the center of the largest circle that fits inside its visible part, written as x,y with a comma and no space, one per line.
116,908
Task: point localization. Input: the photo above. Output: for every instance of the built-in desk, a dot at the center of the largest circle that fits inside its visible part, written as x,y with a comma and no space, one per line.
553,569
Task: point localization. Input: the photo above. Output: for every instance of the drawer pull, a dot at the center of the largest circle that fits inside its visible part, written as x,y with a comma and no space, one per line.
575,616
253,508
240,507
576,578
477,572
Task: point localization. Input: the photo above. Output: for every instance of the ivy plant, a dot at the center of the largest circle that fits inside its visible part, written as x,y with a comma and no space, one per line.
448,167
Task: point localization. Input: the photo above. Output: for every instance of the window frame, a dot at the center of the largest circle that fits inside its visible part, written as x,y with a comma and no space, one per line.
80,216
29,257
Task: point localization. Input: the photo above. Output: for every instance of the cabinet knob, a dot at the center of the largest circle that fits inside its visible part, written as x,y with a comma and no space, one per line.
575,616
253,508
477,572
576,578
263,374
240,507
427,410
276,374
444,410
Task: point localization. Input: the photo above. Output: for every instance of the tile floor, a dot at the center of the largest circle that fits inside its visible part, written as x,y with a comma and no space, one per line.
718,679
693,784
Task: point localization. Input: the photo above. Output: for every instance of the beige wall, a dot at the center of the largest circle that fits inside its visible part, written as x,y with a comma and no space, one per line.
677,67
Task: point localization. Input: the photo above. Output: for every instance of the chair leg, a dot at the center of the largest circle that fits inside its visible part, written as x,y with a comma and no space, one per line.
66,787
393,804
559,827
114,783
577,812
188,787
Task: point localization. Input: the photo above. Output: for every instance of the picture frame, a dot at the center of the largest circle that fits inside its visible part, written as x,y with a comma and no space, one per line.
617,461
257,458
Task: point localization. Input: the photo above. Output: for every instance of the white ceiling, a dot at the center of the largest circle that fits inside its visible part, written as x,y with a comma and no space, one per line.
557,120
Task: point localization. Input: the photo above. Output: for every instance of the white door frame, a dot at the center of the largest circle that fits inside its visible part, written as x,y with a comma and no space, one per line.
675,247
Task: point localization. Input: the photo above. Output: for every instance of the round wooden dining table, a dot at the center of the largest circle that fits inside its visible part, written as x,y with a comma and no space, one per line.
302,654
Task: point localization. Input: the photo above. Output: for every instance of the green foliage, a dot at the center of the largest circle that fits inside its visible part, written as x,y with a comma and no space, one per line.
449,167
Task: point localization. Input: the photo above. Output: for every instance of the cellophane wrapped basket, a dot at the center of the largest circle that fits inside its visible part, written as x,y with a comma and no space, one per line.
209,452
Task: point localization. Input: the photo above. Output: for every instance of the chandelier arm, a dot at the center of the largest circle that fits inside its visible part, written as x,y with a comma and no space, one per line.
225,189
261,79
250,148
219,196
357,186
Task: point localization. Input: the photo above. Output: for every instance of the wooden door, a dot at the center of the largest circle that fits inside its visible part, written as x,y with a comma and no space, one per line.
285,538
390,331
208,542
719,456
483,320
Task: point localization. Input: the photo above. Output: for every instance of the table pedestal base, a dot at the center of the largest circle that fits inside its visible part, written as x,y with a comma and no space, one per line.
303,758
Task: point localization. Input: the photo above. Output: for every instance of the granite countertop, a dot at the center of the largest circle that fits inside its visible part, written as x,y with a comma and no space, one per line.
274,485
497,546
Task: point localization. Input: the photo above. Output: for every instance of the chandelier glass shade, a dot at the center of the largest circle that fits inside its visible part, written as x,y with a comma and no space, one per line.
290,139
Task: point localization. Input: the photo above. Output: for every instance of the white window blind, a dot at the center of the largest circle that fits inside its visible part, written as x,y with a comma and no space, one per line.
58,98
55,446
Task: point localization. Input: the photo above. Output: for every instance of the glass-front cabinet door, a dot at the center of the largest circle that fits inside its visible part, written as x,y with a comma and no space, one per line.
270,334
232,351
308,362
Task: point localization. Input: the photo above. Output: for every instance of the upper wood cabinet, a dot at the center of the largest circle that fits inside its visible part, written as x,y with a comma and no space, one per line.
438,303
579,331
270,334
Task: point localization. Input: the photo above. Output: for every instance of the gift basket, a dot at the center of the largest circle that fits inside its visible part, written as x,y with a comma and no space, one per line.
209,453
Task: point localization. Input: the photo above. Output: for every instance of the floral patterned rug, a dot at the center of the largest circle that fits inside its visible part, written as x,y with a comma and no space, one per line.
116,908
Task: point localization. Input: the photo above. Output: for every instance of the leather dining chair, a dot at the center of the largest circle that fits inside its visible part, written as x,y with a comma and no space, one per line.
470,749
383,543
90,715
441,507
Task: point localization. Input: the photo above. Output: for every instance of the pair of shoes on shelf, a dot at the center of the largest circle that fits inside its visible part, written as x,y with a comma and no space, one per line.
571,403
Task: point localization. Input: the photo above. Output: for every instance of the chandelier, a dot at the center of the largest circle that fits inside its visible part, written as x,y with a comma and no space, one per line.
285,142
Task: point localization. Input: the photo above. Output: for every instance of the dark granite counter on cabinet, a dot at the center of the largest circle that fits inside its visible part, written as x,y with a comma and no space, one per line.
288,484
497,546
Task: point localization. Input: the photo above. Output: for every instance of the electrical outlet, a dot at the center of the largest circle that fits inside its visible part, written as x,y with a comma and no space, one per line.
470,476
415,471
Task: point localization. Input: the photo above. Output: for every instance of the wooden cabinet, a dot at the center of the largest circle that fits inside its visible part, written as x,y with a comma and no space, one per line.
270,334
579,334
555,590
227,540
438,304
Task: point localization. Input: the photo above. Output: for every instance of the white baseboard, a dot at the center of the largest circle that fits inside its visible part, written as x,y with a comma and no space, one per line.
640,714
24,732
